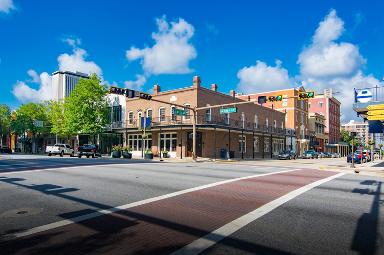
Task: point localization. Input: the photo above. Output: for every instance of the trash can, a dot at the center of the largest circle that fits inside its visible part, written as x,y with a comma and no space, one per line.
223,153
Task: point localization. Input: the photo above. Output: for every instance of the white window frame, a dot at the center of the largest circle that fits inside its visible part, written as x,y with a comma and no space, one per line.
130,117
136,139
160,115
266,144
256,121
170,138
274,124
266,122
242,143
243,119
187,111
256,143
147,111
210,114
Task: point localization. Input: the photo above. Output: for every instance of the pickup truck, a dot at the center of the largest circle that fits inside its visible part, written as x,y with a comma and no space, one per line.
60,149
89,150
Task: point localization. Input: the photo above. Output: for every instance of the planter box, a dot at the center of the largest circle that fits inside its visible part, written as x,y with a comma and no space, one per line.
127,155
148,156
116,154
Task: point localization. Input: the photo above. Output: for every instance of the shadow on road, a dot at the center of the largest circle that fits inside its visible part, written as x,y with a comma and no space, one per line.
366,236
108,231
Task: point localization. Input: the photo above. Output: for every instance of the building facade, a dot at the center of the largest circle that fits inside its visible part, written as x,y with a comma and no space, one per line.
317,131
64,82
251,131
361,129
296,113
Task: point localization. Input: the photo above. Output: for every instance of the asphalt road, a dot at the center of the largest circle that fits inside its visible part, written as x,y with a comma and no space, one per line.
102,206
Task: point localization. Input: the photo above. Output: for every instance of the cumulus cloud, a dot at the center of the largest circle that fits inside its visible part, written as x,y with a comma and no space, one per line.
261,77
25,93
76,62
171,52
6,6
326,63
136,84
326,58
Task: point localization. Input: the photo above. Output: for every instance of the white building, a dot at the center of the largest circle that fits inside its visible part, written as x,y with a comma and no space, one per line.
63,83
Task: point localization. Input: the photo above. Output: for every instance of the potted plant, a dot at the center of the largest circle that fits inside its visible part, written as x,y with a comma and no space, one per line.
116,151
164,154
127,152
148,154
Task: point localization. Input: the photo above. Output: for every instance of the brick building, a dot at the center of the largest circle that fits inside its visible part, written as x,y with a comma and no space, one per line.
252,131
318,137
296,114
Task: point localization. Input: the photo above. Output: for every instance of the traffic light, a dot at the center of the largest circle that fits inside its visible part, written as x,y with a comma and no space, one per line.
306,95
120,91
145,96
261,99
275,98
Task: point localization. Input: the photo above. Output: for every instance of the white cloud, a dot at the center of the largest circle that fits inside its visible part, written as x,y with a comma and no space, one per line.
326,63
6,6
325,58
76,62
171,52
262,77
25,93
136,84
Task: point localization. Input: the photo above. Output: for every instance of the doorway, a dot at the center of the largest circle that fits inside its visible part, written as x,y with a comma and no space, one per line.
199,144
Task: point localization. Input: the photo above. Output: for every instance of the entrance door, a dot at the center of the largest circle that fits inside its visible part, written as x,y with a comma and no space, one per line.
199,144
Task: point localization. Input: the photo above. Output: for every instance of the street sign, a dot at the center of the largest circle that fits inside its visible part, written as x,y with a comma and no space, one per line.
375,112
375,107
376,117
180,112
364,96
38,123
228,110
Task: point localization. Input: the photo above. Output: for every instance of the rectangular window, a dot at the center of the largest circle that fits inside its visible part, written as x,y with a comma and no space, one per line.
168,142
208,116
162,114
130,118
137,142
266,144
149,113
256,143
187,112
242,143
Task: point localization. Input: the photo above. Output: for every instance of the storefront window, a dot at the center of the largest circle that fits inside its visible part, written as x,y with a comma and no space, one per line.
256,143
242,143
266,144
137,143
168,142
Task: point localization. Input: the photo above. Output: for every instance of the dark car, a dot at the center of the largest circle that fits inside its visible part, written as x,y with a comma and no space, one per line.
88,150
310,154
5,150
287,154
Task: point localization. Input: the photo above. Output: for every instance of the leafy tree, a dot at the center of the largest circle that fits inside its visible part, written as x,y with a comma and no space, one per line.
5,121
56,118
86,109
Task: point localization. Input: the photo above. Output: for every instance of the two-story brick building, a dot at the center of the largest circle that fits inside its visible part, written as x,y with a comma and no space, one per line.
251,131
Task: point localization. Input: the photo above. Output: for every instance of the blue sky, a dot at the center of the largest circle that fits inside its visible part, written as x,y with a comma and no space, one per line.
219,40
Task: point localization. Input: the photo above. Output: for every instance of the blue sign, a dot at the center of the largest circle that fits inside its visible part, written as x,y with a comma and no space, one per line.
375,126
145,122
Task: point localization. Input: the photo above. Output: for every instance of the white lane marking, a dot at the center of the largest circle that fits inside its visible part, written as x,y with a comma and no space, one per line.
219,234
130,205
58,167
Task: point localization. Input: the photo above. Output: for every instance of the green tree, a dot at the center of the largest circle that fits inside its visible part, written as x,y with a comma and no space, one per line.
86,109
5,122
25,117
56,118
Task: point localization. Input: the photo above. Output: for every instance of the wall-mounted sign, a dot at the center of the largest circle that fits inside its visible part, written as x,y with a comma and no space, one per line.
364,96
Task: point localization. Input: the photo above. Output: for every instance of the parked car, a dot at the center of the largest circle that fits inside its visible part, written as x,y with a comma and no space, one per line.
323,155
60,149
5,150
335,155
310,154
358,158
287,154
88,150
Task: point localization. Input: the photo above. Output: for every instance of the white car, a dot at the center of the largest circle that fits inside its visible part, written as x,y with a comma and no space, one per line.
60,149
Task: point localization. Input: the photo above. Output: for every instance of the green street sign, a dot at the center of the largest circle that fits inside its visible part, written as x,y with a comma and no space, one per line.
180,112
228,110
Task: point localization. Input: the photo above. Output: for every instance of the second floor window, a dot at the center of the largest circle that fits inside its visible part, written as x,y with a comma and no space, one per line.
208,116
242,118
149,113
266,122
162,114
187,112
130,117
116,115
256,121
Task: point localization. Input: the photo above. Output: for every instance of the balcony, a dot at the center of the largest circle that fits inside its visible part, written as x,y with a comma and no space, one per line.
204,120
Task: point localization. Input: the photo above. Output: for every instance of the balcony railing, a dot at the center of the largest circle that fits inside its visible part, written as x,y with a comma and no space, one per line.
218,121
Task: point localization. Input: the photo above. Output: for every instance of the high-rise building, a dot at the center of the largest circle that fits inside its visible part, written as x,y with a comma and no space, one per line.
64,82
361,129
